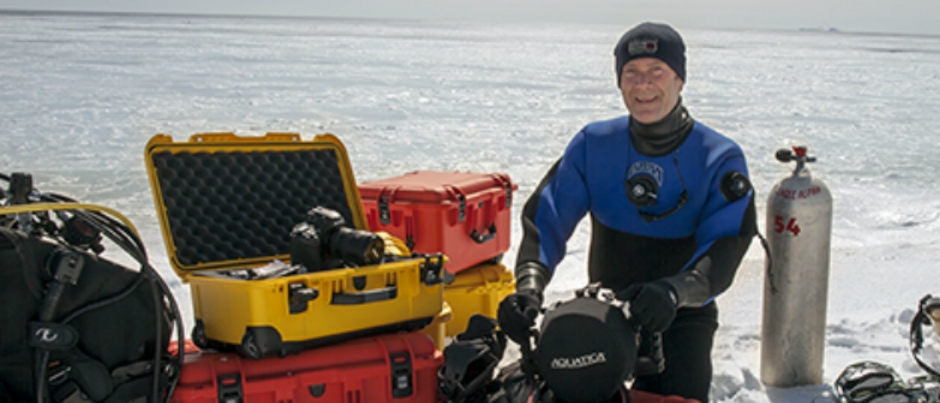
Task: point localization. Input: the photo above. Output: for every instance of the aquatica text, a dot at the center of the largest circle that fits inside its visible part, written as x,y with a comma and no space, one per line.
579,362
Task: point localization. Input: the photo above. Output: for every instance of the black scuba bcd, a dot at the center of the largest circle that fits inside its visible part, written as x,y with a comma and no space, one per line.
78,327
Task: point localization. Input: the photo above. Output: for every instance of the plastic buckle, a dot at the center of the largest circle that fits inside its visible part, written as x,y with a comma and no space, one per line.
462,205
401,375
230,388
432,268
299,295
508,194
384,215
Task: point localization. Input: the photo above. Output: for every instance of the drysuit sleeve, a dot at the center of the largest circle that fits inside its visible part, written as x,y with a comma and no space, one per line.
553,211
726,227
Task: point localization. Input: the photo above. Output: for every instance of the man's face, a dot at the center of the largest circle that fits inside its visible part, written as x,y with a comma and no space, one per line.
650,89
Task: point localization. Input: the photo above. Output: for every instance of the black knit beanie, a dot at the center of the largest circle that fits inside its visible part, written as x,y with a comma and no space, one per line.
651,39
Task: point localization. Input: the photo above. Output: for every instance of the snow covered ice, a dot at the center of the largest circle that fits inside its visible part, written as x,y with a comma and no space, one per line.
82,94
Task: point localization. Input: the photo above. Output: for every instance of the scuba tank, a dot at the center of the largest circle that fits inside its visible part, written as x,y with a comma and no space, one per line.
799,226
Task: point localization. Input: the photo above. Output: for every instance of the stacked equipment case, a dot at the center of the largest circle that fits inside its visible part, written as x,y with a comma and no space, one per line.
477,290
399,368
464,215
228,203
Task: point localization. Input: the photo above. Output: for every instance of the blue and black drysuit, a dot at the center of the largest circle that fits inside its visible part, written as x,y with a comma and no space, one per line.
692,234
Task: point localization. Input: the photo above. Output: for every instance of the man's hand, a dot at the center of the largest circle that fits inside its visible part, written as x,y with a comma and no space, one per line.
517,313
653,304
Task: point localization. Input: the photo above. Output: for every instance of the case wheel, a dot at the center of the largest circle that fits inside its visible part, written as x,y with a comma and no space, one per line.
260,341
249,347
199,335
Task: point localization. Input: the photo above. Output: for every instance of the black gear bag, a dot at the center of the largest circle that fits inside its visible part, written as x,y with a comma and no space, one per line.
77,327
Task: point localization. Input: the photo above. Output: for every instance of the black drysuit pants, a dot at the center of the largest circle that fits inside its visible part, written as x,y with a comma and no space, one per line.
687,348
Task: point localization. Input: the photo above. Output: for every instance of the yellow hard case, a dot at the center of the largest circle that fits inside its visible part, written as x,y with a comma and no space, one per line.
477,290
228,202
437,330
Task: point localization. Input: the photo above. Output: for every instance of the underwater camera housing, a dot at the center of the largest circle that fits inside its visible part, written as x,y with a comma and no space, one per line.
588,347
323,241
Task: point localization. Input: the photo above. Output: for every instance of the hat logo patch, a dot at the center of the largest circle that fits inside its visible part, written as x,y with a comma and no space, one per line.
643,46
583,361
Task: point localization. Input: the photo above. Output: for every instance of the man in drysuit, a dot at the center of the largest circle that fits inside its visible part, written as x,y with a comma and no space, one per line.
671,207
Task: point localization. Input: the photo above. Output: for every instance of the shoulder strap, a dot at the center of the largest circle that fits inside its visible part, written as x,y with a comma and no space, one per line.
28,260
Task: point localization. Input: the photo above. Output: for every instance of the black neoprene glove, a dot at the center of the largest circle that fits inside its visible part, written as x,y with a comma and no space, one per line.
517,312
653,305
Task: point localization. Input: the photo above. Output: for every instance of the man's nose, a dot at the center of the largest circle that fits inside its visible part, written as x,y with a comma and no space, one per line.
641,78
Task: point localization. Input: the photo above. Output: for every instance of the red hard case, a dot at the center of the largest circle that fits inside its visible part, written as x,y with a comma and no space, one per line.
639,396
400,368
464,215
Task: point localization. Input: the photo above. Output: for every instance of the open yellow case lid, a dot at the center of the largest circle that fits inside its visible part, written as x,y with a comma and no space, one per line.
229,202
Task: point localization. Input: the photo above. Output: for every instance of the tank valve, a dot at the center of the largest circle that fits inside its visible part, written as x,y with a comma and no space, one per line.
797,154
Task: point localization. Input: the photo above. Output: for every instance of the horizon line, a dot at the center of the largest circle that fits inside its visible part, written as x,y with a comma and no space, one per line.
24,11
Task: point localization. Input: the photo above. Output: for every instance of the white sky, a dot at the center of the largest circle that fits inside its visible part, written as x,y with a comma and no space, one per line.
886,16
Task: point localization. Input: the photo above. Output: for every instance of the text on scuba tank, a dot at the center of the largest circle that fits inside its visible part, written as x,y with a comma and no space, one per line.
579,362
782,224
793,194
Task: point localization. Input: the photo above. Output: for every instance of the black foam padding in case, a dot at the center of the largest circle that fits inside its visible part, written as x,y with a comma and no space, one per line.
224,206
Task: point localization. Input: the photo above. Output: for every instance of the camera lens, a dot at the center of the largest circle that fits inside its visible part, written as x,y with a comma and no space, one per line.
357,247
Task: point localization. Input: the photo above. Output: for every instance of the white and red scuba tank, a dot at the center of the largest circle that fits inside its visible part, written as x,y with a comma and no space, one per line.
799,227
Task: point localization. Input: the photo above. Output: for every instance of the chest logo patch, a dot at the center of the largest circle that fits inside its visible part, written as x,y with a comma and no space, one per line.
649,168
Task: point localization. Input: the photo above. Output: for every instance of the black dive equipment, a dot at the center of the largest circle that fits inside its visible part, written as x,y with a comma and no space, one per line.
64,304
471,360
587,348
